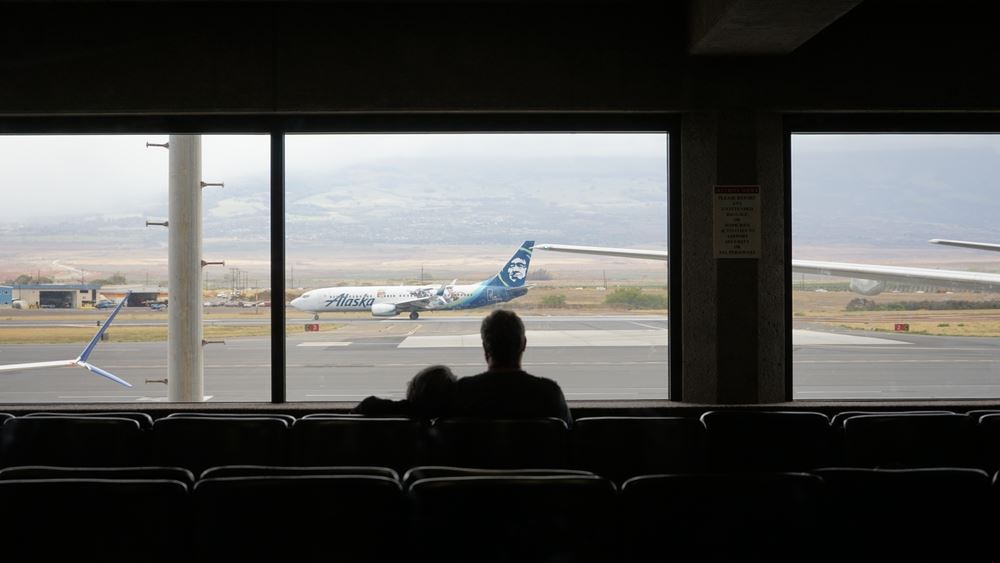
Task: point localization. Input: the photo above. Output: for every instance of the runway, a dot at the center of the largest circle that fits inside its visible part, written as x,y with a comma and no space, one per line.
592,357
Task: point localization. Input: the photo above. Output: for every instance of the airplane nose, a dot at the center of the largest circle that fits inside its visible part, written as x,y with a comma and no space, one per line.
296,302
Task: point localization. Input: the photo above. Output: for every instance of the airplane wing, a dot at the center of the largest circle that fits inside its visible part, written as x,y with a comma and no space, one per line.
80,360
414,304
605,251
967,244
951,279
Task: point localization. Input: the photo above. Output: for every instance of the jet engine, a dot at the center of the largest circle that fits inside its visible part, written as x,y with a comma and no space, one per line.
384,310
867,287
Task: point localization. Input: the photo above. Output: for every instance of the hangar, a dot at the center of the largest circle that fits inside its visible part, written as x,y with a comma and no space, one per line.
55,296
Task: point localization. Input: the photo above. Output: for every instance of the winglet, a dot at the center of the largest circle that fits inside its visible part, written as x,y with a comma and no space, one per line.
82,359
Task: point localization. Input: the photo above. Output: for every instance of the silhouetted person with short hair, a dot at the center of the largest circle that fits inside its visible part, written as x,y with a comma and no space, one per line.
428,395
504,390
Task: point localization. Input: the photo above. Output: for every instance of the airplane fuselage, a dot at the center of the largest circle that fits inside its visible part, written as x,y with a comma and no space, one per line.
365,298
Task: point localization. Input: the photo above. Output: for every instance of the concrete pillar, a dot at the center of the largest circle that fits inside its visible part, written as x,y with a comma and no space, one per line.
185,363
734,309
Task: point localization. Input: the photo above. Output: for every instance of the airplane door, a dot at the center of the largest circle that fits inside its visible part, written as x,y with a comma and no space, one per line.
491,295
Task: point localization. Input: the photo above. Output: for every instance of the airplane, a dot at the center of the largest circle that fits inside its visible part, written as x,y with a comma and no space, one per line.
866,279
390,300
80,360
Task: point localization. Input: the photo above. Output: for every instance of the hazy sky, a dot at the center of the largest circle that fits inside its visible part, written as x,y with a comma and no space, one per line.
45,176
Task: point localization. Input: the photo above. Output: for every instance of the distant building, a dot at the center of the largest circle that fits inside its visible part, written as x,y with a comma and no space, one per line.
54,296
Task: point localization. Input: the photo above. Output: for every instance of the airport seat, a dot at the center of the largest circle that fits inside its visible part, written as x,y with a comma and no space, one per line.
976,414
907,515
301,518
72,441
144,419
331,415
721,517
620,447
5,416
766,441
434,471
288,418
382,442
910,441
988,441
197,443
265,470
140,472
529,519
499,443
837,420
94,520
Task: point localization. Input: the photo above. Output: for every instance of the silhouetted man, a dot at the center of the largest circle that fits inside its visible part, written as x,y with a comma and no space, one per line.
504,390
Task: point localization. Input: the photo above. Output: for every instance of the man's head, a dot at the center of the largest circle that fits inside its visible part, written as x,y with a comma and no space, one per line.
430,390
503,339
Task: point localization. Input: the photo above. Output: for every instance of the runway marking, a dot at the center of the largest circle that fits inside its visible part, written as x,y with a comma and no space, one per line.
813,338
322,344
648,326
550,339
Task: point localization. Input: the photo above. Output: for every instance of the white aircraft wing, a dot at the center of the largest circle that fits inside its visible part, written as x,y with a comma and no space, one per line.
414,304
80,360
967,244
952,279
604,251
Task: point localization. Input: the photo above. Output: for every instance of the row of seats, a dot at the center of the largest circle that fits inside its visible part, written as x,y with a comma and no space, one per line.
441,515
615,447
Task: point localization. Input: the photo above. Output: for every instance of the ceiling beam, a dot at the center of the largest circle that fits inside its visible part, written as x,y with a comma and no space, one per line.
759,27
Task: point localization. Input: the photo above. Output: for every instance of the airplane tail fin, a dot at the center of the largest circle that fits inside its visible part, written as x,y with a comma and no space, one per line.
82,359
515,271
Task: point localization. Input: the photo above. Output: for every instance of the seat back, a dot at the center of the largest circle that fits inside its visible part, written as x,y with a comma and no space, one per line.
302,518
513,518
141,472
500,443
197,443
144,419
620,447
716,517
72,441
766,441
434,471
265,470
288,418
908,515
837,421
94,520
910,440
381,442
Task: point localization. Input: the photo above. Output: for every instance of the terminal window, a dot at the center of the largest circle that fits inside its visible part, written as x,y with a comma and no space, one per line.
895,272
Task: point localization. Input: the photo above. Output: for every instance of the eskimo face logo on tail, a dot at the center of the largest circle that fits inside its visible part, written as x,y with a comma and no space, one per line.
517,269
515,272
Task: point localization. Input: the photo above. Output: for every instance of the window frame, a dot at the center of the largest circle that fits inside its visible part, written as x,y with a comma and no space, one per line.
874,123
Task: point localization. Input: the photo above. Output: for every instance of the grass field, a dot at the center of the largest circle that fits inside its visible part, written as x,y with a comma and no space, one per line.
829,308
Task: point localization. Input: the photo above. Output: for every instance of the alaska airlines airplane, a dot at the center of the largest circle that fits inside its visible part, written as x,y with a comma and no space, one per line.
866,279
391,300
80,360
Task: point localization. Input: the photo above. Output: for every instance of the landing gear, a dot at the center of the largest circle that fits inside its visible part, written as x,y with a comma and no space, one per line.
414,315
316,317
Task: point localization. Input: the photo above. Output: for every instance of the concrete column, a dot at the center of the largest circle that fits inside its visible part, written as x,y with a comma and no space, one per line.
734,312
185,363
